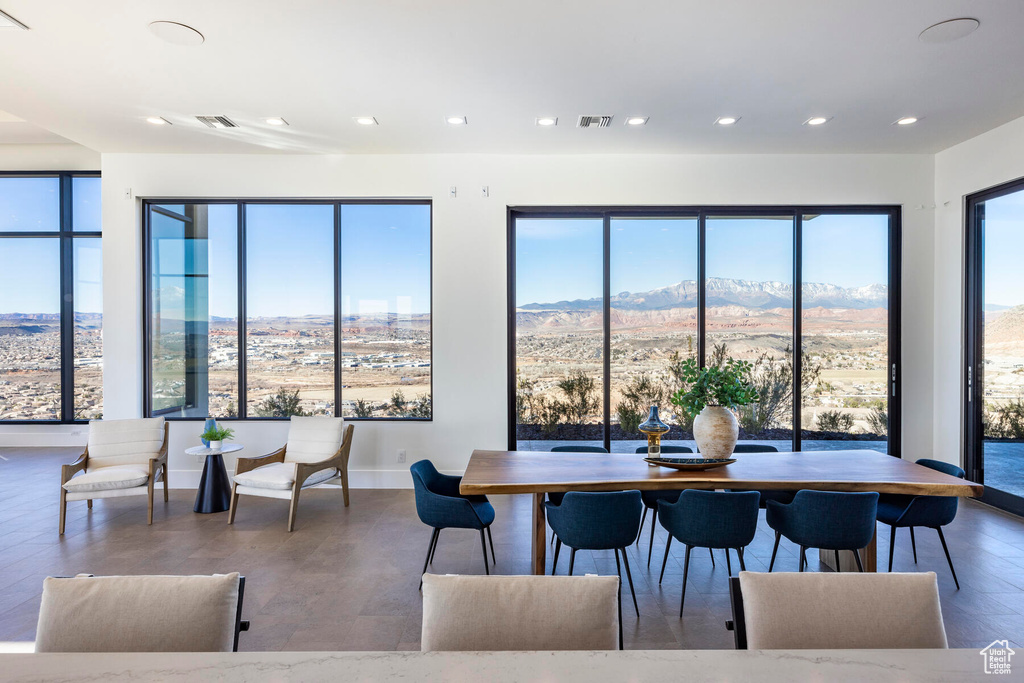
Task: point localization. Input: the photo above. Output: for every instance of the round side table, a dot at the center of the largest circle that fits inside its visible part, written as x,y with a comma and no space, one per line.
214,493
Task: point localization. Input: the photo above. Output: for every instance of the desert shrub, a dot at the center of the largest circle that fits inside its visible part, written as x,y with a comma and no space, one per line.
282,404
1007,421
834,421
878,421
398,404
362,408
638,396
580,391
421,407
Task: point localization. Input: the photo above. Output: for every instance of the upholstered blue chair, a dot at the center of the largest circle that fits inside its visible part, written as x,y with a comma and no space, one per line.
709,519
439,505
928,511
556,497
781,496
651,498
828,520
597,521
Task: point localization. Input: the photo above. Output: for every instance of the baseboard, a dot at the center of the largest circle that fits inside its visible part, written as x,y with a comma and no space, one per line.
357,479
73,437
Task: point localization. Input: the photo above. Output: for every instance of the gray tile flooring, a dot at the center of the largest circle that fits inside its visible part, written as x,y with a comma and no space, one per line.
346,579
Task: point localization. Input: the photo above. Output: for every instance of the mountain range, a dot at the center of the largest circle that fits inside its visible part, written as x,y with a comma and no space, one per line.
729,292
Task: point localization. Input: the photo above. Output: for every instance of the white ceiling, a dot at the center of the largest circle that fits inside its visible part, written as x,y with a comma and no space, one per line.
17,131
91,71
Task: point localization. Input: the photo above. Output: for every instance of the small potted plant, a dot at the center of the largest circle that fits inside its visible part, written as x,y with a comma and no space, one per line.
712,395
217,436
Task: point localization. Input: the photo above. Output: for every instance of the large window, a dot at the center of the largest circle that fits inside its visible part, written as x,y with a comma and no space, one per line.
267,309
51,298
608,303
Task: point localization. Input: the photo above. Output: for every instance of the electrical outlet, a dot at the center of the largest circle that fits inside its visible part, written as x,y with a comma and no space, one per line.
127,193
485,192
452,192
401,455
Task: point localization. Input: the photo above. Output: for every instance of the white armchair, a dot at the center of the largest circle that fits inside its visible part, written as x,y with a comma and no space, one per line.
317,450
123,458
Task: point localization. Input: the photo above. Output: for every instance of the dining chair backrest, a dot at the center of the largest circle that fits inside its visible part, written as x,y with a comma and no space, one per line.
754,448
827,611
667,449
487,613
438,503
935,511
598,521
578,449
712,519
125,442
832,519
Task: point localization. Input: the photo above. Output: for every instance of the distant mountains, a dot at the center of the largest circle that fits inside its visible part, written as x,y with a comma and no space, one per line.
729,292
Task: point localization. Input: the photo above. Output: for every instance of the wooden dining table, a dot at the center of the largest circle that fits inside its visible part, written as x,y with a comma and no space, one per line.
539,473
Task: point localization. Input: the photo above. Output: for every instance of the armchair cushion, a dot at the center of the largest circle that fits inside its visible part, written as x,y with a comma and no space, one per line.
109,478
312,439
280,476
124,442
138,614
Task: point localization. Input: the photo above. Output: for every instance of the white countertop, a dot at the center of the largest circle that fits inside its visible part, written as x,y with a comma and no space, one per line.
782,666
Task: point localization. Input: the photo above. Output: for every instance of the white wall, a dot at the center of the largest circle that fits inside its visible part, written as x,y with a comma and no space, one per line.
469,361
990,159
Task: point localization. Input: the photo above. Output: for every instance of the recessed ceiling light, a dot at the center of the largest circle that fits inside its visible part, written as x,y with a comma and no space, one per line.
907,120
636,120
817,120
547,121
176,33
276,121
7,21
455,120
727,120
158,121
948,31
365,120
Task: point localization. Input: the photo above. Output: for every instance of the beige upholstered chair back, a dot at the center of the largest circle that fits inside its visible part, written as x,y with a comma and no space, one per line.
312,439
520,613
791,611
138,614
124,442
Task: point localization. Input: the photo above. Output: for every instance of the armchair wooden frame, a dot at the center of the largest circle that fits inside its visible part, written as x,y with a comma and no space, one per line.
302,472
157,465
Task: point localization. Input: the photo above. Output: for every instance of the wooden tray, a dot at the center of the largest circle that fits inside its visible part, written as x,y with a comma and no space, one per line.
693,464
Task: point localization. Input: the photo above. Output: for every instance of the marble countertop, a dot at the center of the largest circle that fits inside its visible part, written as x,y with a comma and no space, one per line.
782,666
203,450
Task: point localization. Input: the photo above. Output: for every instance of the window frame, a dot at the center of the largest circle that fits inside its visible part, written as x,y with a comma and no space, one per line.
241,203
65,234
702,212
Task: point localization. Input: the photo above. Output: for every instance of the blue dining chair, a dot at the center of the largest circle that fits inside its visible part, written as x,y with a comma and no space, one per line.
597,521
556,497
709,519
828,520
781,496
651,498
900,511
439,505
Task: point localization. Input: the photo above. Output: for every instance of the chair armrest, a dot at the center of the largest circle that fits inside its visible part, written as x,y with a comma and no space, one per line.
249,464
68,471
338,460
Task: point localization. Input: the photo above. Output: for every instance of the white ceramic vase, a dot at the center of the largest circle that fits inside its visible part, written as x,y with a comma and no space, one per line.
715,429
217,445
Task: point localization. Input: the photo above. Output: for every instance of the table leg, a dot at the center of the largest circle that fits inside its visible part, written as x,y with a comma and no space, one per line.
214,494
870,554
869,557
540,534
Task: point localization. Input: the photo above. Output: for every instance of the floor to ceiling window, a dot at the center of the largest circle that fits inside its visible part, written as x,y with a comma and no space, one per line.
605,305
51,297
994,383
250,304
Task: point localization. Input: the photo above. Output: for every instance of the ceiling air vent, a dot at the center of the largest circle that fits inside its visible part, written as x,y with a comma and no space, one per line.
594,122
217,122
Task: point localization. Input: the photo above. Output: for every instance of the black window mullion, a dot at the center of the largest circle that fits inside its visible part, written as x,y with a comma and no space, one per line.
894,426
701,284
798,341
67,304
606,308
337,311
243,355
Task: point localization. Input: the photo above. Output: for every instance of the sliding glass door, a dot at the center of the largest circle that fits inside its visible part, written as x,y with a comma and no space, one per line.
605,305
994,400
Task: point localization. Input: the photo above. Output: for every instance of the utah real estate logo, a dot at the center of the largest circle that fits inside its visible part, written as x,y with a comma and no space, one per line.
997,657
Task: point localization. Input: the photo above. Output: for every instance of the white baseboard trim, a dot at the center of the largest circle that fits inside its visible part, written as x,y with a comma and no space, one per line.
357,479
40,439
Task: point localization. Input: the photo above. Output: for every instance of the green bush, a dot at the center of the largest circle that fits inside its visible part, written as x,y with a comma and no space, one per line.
878,421
638,396
580,391
726,384
834,421
281,404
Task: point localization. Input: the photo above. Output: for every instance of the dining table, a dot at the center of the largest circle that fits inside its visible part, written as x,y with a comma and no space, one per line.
539,473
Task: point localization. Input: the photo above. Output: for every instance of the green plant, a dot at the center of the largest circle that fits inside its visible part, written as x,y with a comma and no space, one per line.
421,407
1008,422
281,404
727,385
638,396
362,408
579,389
398,403
878,421
218,434
834,421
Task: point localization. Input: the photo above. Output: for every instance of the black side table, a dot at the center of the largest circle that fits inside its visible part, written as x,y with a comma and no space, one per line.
214,493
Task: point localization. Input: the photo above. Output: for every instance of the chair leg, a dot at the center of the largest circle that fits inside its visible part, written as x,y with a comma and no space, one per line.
775,550
838,568
739,552
554,563
803,558
686,570
712,554
149,513
164,467
433,551
892,544
490,541
344,484
618,572
63,508
948,558
668,544
293,508
728,562
430,548
89,503
860,565
650,544
572,559
913,544
483,546
629,577
643,518
234,504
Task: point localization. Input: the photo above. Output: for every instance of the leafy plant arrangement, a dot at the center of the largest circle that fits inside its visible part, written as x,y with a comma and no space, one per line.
726,384
218,434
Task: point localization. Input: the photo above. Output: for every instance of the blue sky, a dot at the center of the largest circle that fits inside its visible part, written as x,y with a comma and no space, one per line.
1004,248
560,259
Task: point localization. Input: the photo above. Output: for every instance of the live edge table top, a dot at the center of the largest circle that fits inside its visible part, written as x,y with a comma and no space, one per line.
507,472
